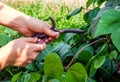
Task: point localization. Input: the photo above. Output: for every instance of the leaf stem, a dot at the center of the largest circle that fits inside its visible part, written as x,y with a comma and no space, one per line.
82,50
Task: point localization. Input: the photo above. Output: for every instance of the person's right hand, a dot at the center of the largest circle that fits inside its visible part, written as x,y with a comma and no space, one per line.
20,52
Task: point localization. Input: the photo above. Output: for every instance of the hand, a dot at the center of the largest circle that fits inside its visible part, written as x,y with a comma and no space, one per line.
34,25
20,52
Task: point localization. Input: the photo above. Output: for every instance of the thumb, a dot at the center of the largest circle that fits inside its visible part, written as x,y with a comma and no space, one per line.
50,33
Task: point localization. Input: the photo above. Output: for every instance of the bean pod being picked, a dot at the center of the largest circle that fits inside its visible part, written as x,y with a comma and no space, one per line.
43,37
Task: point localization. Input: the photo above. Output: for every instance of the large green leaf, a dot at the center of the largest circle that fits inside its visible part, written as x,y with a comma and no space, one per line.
53,66
76,73
109,22
4,39
115,36
95,20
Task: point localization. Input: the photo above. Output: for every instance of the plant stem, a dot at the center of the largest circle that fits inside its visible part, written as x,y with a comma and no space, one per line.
74,57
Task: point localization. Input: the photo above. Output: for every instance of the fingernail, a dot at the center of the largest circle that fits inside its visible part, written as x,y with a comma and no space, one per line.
56,33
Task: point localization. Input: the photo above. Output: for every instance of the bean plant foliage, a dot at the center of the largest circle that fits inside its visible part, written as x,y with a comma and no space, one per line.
92,56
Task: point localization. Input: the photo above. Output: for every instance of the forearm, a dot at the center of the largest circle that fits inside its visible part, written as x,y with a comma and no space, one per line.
12,18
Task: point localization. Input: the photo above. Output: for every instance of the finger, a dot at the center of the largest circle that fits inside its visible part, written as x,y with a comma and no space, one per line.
49,40
50,33
29,61
39,47
31,40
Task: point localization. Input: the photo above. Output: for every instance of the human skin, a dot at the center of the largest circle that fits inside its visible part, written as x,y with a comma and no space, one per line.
22,51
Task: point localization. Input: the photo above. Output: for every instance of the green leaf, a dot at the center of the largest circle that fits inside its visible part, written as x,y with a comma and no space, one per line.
35,77
89,2
100,57
76,73
91,65
95,20
115,36
69,36
85,56
88,17
112,3
54,80
100,2
25,78
4,39
99,61
108,68
76,11
44,53
92,70
62,49
113,55
53,66
109,22
32,66
16,77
